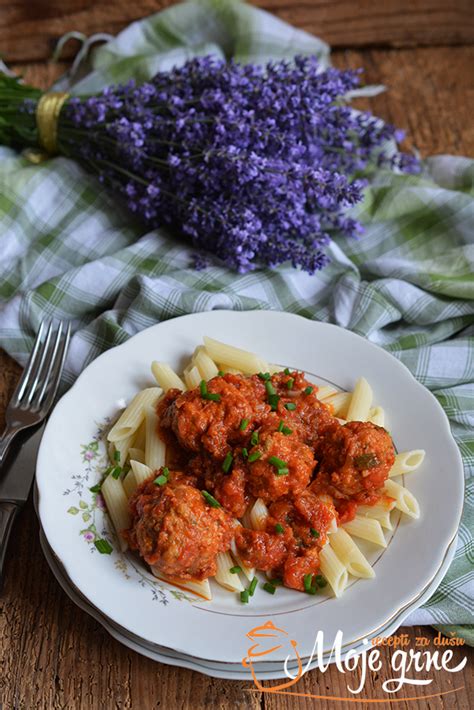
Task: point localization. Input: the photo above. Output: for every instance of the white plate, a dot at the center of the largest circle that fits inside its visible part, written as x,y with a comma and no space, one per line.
120,587
229,671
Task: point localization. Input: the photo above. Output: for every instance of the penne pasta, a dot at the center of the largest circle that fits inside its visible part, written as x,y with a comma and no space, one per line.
325,391
134,414
339,403
258,515
207,367
166,376
140,437
333,570
192,377
130,483
361,402
136,455
122,446
350,555
367,529
404,500
155,448
117,506
249,572
406,462
224,576
246,362
380,511
245,520
200,588
377,416
141,471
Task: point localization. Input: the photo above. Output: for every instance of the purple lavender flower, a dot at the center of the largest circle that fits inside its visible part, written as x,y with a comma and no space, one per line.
257,165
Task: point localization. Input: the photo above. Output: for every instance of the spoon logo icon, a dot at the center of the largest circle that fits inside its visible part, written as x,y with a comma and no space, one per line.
266,640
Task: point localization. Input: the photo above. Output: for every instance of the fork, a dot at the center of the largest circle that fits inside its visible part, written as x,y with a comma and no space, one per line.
36,390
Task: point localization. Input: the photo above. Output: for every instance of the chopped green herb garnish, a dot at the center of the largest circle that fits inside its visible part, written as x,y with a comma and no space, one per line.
253,586
253,457
314,532
163,477
235,570
269,588
283,471
220,373
264,376
203,387
115,472
104,546
214,397
273,400
287,371
290,406
279,528
366,461
244,424
245,453
117,456
286,430
210,499
254,438
269,387
307,580
320,581
276,582
244,597
226,466
275,461
96,488
290,383
309,390
280,426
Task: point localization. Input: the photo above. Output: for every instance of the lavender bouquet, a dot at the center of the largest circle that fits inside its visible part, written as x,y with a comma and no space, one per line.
256,165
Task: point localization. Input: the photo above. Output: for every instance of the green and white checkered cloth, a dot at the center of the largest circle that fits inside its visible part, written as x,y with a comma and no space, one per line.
68,250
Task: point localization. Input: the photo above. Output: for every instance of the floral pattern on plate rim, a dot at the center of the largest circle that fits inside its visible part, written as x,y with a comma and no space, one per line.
90,509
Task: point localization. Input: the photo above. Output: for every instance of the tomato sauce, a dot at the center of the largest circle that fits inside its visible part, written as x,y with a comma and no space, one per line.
243,438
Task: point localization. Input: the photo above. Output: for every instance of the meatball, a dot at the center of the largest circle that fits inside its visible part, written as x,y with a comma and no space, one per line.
355,461
284,465
213,425
228,488
307,416
260,549
176,531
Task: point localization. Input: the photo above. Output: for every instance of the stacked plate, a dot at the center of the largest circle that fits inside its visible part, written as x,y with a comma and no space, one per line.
171,626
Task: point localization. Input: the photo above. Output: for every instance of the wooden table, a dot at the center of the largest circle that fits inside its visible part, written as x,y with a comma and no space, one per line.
53,654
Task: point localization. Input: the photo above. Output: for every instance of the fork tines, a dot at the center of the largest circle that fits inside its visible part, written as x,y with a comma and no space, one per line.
39,382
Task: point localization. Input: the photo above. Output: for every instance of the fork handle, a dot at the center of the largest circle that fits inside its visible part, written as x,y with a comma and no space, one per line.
5,440
8,513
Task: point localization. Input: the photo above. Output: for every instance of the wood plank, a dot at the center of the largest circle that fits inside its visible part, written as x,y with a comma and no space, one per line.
430,93
29,31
